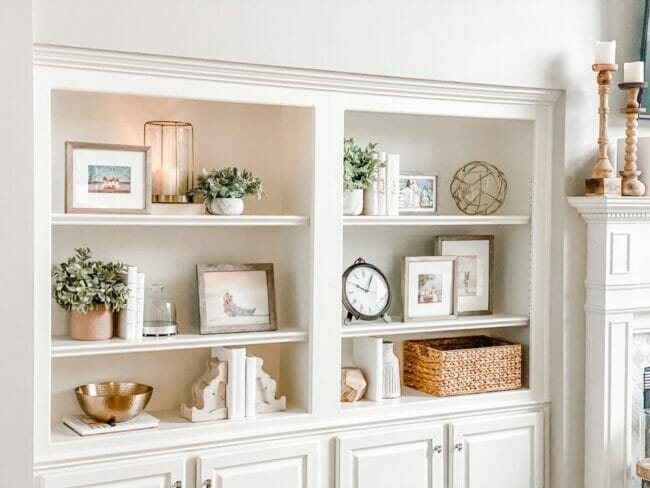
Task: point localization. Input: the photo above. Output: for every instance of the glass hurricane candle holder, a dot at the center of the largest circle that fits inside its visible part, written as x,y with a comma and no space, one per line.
159,313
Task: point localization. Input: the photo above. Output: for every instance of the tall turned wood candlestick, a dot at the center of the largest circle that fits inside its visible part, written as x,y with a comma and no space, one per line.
603,180
631,186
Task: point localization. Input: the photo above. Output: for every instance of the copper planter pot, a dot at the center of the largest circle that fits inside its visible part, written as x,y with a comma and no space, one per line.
96,325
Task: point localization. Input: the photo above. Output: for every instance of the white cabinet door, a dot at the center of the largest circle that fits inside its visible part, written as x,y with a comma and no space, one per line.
504,452
391,458
268,466
164,472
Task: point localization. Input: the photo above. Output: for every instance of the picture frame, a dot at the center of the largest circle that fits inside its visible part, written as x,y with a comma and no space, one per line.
475,268
644,95
418,194
429,288
236,298
107,178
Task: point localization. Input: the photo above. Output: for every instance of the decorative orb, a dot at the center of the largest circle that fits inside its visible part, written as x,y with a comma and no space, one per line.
479,188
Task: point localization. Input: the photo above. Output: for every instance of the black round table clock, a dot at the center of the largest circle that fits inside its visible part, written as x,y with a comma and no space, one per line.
366,293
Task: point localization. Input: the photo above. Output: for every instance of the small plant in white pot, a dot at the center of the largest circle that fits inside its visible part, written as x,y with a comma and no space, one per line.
90,291
359,172
223,189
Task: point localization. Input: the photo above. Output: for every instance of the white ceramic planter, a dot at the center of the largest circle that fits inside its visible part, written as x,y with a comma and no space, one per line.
352,202
226,206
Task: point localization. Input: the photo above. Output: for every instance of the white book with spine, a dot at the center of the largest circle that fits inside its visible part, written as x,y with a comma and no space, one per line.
392,185
251,385
381,185
128,316
236,386
367,353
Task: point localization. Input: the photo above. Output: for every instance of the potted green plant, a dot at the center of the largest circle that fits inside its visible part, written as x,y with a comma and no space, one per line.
223,189
359,172
91,291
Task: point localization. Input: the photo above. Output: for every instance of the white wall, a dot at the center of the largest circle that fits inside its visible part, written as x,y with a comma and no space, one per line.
511,42
16,245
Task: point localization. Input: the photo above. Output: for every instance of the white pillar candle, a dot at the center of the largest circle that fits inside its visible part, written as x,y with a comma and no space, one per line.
606,52
164,182
634,72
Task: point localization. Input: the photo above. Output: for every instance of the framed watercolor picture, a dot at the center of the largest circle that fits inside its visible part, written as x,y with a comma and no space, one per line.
236,298
107,178
644,97
418,194
474,270
428,288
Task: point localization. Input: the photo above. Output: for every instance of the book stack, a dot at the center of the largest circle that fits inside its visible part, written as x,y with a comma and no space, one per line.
382,198
131,319
85,426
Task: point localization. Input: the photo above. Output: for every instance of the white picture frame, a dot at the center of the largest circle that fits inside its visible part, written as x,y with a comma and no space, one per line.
107,178
475,269
428,288
418,194
236,298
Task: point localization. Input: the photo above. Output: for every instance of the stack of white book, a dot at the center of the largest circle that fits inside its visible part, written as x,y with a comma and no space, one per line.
382,197
131,319
84,425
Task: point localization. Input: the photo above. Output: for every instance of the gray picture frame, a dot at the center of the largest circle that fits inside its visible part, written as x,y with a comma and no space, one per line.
203,269
439,240
406,293
420,176
71,146
644,95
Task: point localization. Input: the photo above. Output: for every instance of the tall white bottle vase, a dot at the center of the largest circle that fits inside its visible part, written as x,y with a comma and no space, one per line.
392,185
381,185
391,374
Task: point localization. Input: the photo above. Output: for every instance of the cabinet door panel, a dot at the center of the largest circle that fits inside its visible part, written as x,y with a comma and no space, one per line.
278,466
504,452
391,458
162,473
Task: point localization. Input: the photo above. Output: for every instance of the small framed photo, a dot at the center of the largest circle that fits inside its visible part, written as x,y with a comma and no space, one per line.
475,265
429,288
107,178
418,194
236,298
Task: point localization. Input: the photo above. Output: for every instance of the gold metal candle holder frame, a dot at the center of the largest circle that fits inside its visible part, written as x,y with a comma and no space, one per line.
631,186
603,180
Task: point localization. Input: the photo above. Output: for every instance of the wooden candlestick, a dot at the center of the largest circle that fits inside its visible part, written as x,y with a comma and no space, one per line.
603,180
631,186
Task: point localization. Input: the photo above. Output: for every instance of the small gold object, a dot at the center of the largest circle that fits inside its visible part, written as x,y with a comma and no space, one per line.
113,401
603,181
631,185
643,469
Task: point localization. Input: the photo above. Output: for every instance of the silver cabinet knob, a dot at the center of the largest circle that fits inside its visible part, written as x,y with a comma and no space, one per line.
207,483
437,449
458,447
178,484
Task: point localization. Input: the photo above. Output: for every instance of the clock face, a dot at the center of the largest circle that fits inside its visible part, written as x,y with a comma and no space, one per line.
366,291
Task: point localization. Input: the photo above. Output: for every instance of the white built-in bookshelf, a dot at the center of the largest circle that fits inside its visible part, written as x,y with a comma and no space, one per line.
290,134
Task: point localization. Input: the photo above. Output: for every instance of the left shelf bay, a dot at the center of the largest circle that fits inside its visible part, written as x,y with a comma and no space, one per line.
63,346
179,220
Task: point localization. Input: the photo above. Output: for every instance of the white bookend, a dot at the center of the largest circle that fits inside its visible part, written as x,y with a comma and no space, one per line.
127,317
84,425
392,185
139,312
236,387
381,185
367,355
251,383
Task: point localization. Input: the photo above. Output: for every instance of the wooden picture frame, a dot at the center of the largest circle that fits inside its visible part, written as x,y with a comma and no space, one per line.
224,306
467,306
412,209
412,288
83,195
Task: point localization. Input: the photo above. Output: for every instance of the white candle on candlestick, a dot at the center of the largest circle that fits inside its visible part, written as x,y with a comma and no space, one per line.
634,72
164,182
606,52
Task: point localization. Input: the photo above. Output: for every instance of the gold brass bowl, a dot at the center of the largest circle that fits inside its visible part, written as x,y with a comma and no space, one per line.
113,401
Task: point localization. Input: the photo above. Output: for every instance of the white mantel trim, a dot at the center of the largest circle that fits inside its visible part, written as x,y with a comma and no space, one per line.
331,81
612,209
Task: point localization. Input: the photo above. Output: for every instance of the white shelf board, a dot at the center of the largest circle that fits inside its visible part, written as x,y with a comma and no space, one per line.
437,220
171,422
360,329
179,220
63,346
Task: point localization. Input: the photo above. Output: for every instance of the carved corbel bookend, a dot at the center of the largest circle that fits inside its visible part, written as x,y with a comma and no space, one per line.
208,394
265,391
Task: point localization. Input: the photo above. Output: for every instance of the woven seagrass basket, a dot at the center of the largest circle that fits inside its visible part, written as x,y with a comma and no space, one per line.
462,365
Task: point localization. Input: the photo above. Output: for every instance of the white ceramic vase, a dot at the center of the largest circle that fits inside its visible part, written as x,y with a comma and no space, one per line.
392,380
226,206
352,202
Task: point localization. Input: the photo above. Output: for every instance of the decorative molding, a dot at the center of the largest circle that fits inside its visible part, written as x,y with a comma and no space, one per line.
620,253
332,81
612,209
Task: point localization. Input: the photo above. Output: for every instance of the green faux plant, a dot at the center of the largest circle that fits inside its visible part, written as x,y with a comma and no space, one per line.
227,183
359,165
81,283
